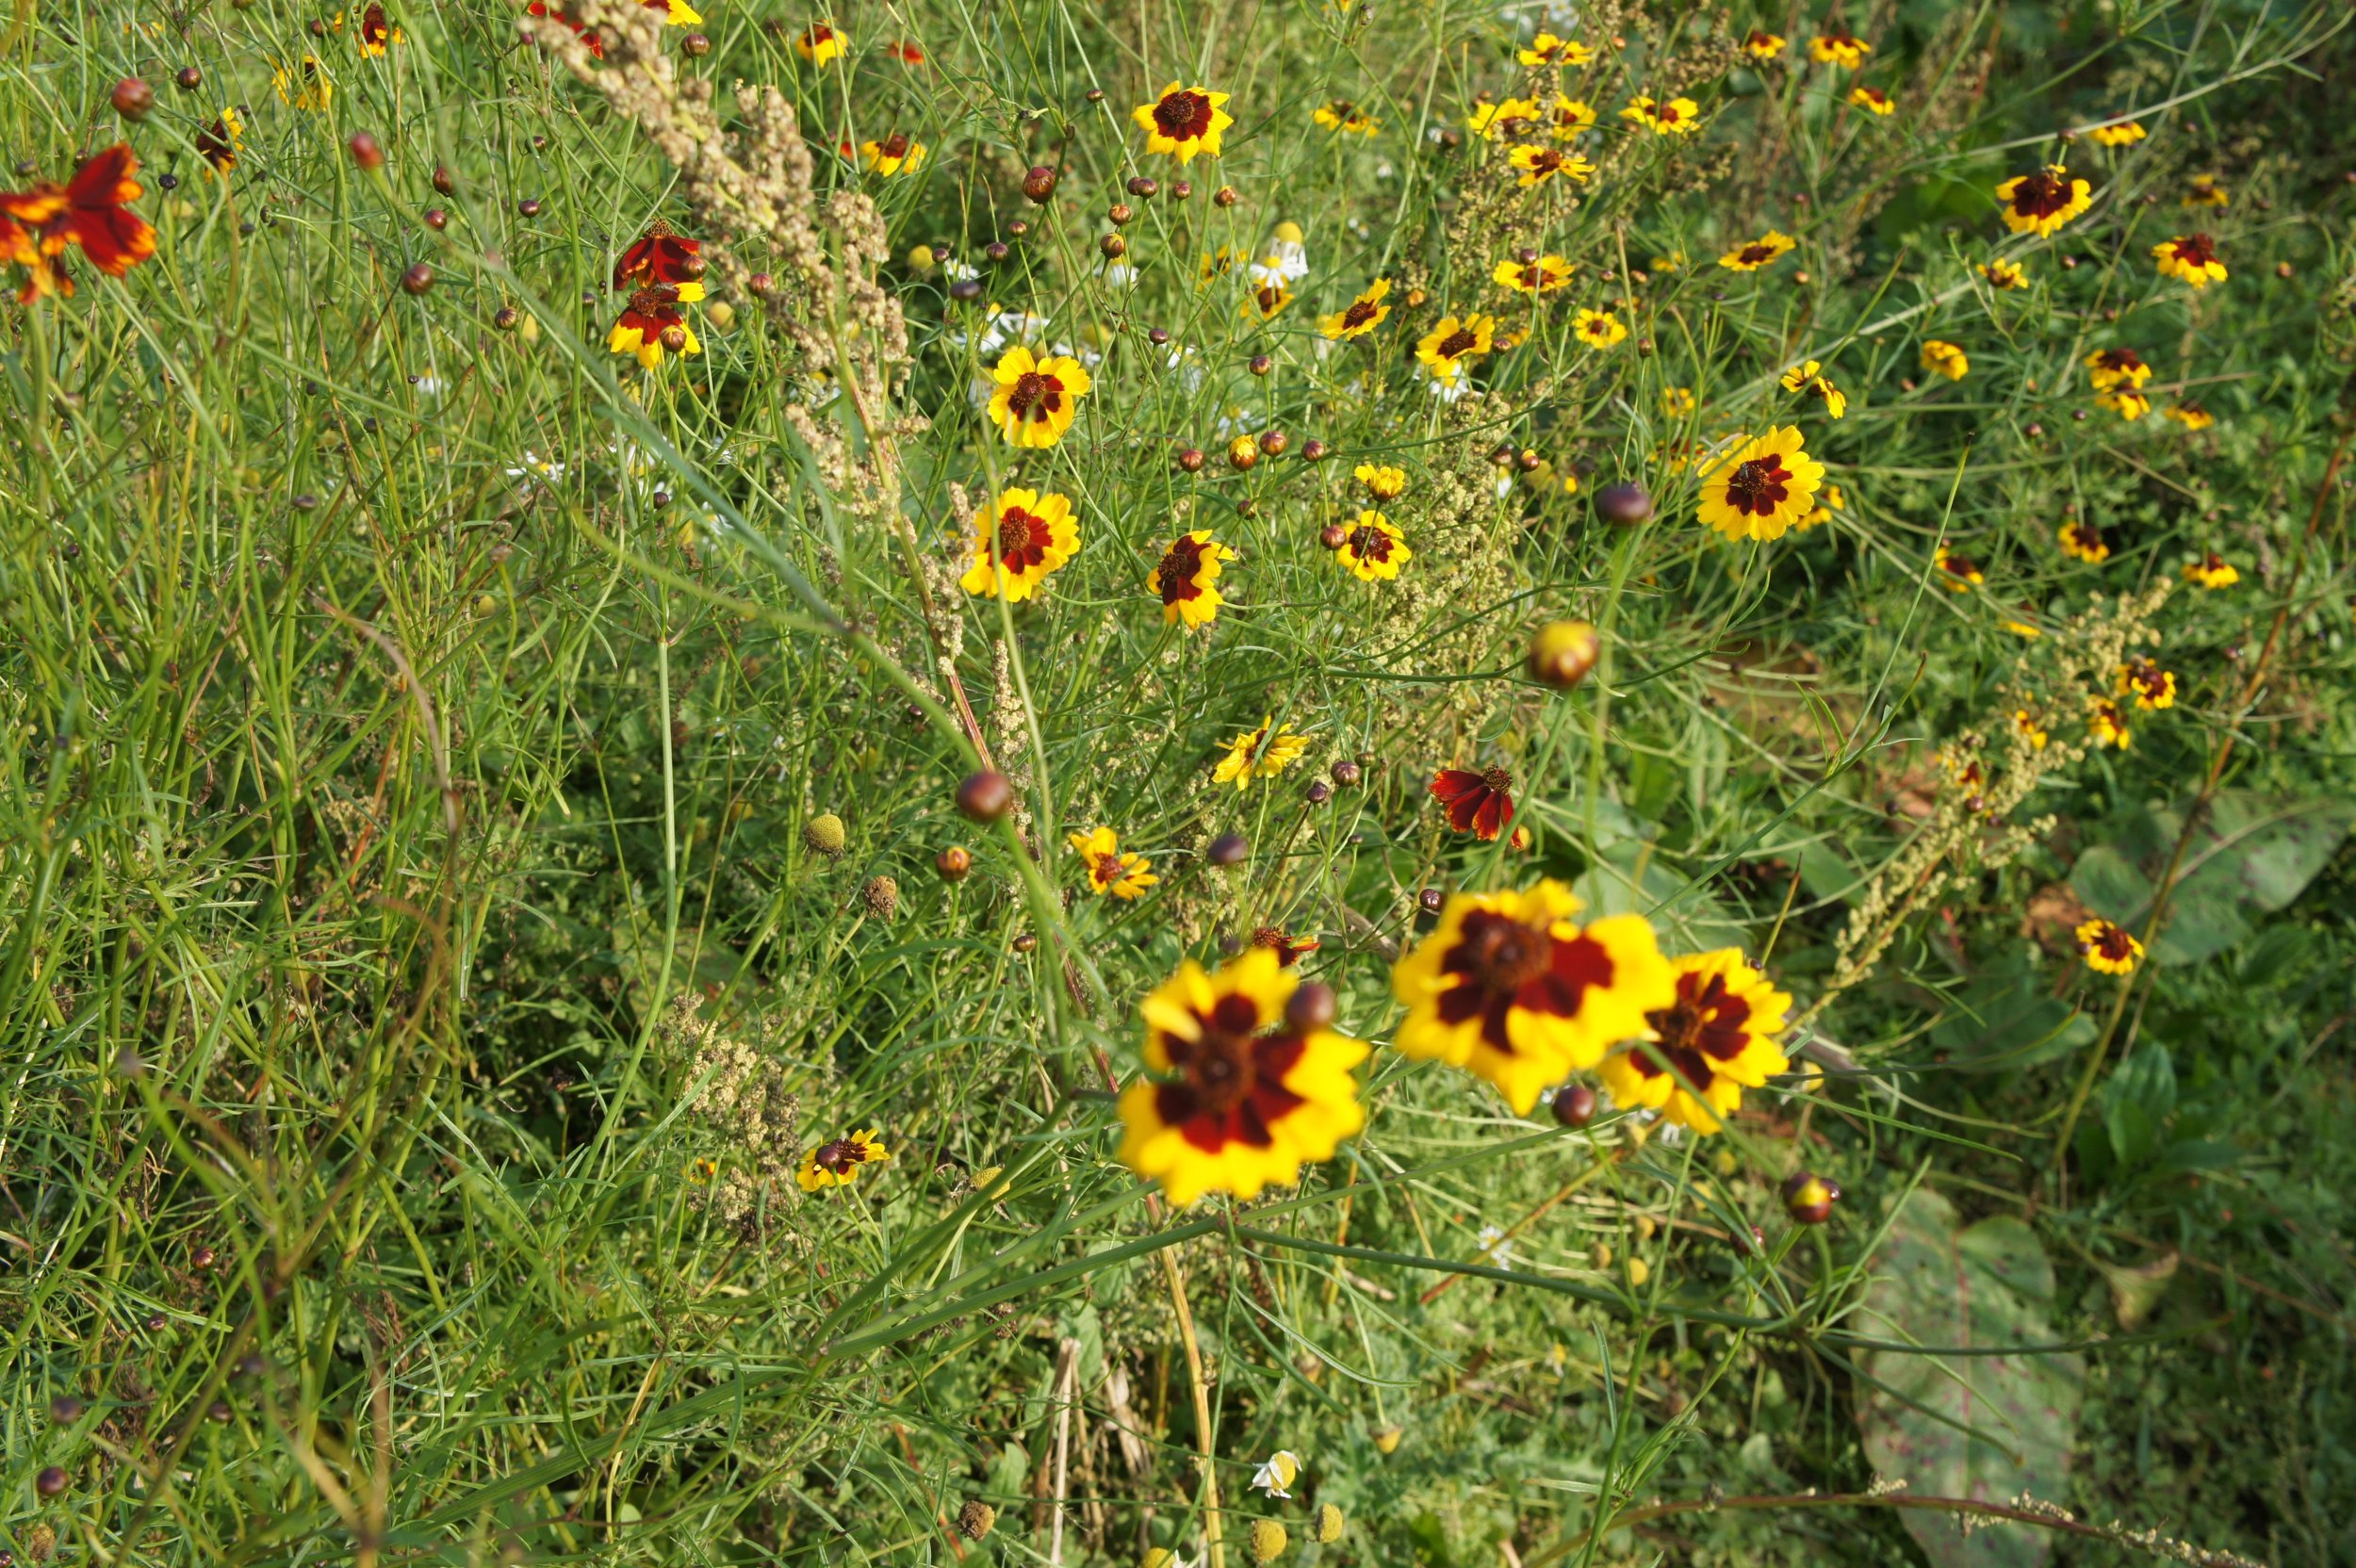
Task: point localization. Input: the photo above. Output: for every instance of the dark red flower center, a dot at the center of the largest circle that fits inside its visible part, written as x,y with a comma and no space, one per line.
1034,393
1704,1025
1184,116
819,33
1343,109
1176,574
1502,963
2194,250
373,27
841,1156
1759,486
1368,543
1271,299
2123,361
1231,1085
2113,942
1962,565
1360,313
1667,114
1023,539
1755,254
1499,781
893,146
1544,163
1457,344
2040,194
1109,868
2147,676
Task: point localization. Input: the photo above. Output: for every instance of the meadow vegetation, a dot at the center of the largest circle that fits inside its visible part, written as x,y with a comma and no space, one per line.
1550,783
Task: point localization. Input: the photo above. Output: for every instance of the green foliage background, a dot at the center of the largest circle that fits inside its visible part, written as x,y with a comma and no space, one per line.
410,731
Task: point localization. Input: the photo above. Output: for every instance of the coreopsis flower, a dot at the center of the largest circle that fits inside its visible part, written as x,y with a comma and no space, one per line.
1541,276
1033,399
1018,540
2025,723
652,324
1762,487
2123,133
2107,724
1261,753
1361,316
2191,258
1110,869
2128,406
1446,350
1719,1037
1762,45
1837,45
2082,541
377,32
1946,359
1568,116
1288,949
2208,190
1678,117
822,43
838,1164
220,144
2190,415
1769,247
1514,117
2027,633
896,153
2143,679
1678,403
2042,199
2108,949
1539,164
305,85
1547,49
2109,368
1267,302
91,210
663,255
1279,1472
1959,573
1186,579
1476,802
907,53
1374,550
1240,1095
1872,100
1184,121
1807,377
2212,571
1382,481
1829,504
2000,274
1510,987
1345,118
1597,329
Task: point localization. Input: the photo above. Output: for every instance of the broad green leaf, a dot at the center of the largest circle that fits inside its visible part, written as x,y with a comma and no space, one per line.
2003,1020
1986,1427
2108,883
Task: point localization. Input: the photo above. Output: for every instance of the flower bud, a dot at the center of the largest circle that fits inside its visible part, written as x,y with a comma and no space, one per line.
694,46
1242,452
506,317
65,1410
823,834
443,181
1431,900
1347,774
1119,212
1320,792
721,314
954,862
1260,365
52,1479
436,220
1809,1198
1227,849
190,78
1181,189
1191,459
417,279
365,152
1562,652
1310,1007
530,206
1332,536
1267,1542
1573,1105
674,338
997,251
1314,450
133,98
1112,247
761,283
1039,184
1388,1438
984,797
1623,504
966,290
1225,196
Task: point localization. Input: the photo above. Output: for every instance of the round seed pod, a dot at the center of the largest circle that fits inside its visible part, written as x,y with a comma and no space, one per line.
190,78
976,1518
1227,849
1112,247
1809,1198
882,898
436,220
364,149
1320,792
1431,901
52,1477
1119,212
1260,365
443,181
1038,184
954,863
1142,187
1573,1105
417,279
1624,505
133,98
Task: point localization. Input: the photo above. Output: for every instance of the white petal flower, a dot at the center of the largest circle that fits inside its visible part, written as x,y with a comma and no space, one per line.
1282,1469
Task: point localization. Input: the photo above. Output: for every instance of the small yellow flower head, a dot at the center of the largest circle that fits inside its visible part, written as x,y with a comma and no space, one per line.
1637,1271
896,153
2191,258
822,43
1547,49
1109,871
2191,416
1186,578
1539,164
2208,190
2025,723
1373,549
1382,481
2129,406
823,834
2212,571
2108,949
1678,117
2143,679
2106,724
1330,1524
1345,118
1019,540
2004,274
1267,1541
1762,487
1184,121
1388,1438
1763,46
1837,45
838,1164
2042,199
2082,541
1562,652
1944,359
1034,401
1599,329
1515,117
1769,247
1872,100
2120,135
1261,753
1361,316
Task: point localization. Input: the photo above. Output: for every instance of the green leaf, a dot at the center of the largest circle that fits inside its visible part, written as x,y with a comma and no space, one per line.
2002,1021
1986,1427
2108,883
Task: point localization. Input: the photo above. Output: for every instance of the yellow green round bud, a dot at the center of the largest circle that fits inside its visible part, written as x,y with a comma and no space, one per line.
1330,1523
824,835
1388,1438
1561,653
1267,1542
